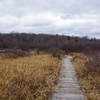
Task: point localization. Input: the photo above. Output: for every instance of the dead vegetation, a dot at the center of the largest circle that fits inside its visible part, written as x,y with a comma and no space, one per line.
14,53
88,69
30,75
28,78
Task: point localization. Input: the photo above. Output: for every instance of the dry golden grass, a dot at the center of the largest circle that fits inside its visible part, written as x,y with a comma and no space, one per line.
90,82
28,78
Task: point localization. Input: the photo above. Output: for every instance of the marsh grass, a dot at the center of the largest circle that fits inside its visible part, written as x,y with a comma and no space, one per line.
28,78
87,71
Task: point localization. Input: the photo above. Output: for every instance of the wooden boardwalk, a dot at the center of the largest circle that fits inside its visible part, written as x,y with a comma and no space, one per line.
68,85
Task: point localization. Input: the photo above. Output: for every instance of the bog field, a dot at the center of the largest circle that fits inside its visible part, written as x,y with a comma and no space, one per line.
28,78
30,65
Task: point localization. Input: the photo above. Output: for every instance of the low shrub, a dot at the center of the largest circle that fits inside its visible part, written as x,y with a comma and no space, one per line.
14,53
93,65
55,52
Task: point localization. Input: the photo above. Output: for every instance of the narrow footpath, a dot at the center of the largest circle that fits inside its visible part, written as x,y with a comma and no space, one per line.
68,87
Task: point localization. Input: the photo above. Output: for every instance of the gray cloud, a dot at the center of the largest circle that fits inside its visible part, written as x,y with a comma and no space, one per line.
51,16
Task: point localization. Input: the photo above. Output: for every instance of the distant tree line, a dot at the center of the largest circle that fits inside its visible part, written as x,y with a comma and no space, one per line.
43,42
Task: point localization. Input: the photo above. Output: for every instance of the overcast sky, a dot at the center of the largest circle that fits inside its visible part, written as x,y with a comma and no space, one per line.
73,17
